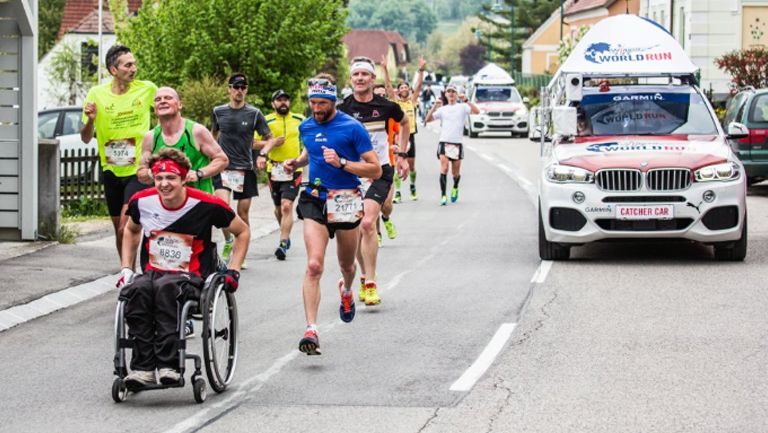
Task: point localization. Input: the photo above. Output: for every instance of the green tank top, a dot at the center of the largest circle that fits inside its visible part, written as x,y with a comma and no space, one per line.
186,144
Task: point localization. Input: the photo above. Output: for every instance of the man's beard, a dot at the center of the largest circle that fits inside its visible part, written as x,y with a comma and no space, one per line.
282,110
322,116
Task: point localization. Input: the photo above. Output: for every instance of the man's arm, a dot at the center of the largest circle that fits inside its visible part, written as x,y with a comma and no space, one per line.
430,116
242,237
131,238
292,164
143,173
473,108
387,83
369,166
86,134
419,81
218,160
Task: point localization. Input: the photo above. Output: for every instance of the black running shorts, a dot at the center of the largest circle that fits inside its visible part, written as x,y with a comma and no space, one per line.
441,151
287,190
314,209
118,190
250,187
379,189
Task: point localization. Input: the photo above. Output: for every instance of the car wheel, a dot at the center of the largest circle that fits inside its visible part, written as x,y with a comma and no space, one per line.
550,250
734,251
472,134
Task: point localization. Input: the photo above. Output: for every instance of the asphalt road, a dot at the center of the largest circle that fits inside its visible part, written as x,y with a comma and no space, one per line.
623,337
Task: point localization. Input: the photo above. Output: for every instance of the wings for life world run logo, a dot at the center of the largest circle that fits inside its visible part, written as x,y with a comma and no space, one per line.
603,52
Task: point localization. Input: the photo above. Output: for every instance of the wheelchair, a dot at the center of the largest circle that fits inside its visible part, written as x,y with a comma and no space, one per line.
217,310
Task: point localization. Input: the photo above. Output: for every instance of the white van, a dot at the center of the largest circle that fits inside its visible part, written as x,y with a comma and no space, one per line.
501,106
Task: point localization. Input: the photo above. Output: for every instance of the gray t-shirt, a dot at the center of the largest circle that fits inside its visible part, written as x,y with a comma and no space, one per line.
236,127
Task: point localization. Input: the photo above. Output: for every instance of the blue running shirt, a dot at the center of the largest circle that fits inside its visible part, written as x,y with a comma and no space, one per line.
344,134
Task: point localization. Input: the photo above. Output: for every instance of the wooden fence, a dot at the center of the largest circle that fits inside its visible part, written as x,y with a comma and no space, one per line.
80,175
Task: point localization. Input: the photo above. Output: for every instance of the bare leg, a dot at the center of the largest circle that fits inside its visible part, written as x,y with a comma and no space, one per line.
369,245
224,195
346,245
316,240
286,218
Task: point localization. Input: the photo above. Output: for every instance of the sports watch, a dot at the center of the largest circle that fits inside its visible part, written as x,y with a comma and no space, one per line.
343,162
199,174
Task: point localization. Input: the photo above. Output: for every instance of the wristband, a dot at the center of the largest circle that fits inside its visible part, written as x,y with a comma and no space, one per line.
402,154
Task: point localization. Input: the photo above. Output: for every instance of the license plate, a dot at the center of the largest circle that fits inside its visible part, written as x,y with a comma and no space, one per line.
656,212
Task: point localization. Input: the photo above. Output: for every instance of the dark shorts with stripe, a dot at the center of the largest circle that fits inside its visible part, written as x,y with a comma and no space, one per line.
315,209
379,188
118,190
284,190
250,186
412,150
441,151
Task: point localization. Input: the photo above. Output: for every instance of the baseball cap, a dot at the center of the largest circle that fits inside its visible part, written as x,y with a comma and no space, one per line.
279,94
451,87
238,78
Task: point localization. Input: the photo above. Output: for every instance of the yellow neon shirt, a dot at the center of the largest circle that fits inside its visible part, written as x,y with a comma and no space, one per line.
409,109
121,122
284,126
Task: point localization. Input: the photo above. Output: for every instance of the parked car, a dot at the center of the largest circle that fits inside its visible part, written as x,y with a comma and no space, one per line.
750,108
64,124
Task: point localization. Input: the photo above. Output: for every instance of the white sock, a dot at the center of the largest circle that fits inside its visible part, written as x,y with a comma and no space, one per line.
312,327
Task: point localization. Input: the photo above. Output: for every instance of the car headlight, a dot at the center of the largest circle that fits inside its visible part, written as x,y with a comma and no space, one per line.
722,172
567,174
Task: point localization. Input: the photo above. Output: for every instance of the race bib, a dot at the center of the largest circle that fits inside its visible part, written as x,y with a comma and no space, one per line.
452,151
170,251
233,179
120,152
344,205
279,174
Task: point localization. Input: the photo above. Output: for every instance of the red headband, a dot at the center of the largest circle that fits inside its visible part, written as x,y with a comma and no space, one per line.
169,166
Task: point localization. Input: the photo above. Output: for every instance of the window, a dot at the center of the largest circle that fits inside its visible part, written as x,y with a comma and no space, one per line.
735,105
72,122
46,124
758,113
89,58
681,27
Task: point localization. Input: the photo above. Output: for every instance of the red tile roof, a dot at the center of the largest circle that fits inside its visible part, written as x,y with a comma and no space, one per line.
373,44
575,6
77,11
90,24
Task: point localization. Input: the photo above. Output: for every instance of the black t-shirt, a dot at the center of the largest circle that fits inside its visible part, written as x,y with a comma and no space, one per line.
236,127
375,116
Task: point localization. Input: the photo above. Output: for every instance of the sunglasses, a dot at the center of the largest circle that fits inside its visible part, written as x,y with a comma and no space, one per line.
239,87
319,82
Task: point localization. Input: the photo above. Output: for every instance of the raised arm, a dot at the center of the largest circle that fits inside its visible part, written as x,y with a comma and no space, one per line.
419,81
387,81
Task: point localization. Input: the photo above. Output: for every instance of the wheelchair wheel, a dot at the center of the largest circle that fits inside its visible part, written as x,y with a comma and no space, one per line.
119,391
198,389
219,335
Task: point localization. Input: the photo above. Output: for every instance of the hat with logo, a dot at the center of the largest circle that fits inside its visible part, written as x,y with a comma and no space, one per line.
279,94
238,78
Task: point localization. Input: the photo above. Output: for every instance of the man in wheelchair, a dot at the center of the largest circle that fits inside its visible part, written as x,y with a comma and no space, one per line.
173,223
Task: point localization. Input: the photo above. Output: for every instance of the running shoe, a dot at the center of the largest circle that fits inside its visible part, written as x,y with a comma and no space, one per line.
169,376
310,343
244,265
397,198
371,294
347,307
454,195
378,238
287,244
391,229
361,295
443,201
139,379
227,251
281,250
414,196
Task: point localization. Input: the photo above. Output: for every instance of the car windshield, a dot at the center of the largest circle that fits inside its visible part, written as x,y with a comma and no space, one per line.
644,113
497,94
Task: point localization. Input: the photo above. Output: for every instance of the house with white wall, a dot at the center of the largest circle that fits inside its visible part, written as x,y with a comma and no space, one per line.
708,29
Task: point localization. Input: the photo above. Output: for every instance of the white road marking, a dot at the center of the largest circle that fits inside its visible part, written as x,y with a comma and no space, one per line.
541,273
486,358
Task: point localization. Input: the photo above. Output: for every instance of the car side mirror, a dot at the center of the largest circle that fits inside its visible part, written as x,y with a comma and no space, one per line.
737,130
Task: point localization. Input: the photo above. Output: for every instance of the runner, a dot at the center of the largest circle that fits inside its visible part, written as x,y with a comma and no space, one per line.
233,125
374,112
407,100
338,150
190,137
285,145
119,113
176,255
450,146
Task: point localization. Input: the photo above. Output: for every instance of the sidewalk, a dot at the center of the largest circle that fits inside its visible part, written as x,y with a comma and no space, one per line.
31,270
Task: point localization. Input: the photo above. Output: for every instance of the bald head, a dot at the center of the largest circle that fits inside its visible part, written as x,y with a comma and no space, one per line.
167,103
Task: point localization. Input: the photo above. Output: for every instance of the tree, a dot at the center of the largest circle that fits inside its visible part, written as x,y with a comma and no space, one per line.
472,58
746,67
66,69
48,23
514,17
277,44
567,44
412,18
444,52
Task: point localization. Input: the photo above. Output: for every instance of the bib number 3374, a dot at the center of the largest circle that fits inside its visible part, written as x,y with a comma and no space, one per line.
344,205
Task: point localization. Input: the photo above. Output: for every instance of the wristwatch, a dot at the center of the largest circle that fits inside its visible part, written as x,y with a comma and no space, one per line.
199,174
343,162
262,153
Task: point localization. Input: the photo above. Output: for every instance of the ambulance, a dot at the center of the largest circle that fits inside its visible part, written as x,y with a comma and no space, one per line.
632,149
